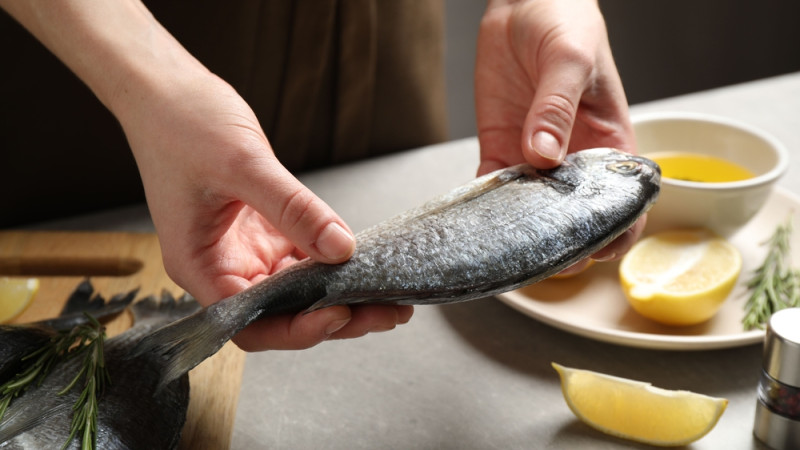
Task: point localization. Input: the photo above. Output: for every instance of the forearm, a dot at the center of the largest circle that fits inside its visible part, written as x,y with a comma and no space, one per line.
116,47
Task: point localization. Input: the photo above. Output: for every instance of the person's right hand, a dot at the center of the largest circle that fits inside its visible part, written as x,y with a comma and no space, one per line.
228,214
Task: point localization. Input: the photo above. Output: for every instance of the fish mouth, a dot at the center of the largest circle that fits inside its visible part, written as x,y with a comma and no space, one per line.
653,168
650,171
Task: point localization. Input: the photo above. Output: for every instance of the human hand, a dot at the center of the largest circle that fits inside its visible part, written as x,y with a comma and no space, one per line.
228,214
546,84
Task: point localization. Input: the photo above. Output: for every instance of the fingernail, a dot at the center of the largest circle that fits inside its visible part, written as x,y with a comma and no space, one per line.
334,242
380,329
335,326
546,145
605,258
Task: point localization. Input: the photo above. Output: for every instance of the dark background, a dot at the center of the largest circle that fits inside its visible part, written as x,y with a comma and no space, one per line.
662,48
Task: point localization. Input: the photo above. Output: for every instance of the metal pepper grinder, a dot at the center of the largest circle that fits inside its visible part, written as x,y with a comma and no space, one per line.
777,422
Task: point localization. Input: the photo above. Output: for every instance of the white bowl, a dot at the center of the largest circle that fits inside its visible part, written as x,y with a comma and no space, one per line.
721,207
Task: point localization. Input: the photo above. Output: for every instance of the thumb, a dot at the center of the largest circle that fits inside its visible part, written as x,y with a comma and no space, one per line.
296,212
549,122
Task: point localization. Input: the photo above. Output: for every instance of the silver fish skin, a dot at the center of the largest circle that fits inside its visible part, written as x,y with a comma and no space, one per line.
129,415
502,231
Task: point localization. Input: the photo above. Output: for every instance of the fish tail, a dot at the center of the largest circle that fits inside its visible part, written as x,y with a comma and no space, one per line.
185,343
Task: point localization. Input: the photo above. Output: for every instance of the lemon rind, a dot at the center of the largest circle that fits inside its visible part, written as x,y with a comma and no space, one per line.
720,403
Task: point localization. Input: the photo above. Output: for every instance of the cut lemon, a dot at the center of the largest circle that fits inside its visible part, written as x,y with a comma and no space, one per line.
15,295
679,277
638,411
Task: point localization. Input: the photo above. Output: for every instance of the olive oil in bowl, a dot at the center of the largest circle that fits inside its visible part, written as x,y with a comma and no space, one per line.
694,167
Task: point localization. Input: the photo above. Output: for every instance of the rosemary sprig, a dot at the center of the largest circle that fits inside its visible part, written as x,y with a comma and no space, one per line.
87,340
39,364
775,284
95,375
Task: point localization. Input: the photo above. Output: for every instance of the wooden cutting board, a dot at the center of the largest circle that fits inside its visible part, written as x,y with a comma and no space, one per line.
119,262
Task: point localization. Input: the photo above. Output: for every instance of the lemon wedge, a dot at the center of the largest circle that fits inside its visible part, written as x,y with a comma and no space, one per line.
680,277
639,411
15,295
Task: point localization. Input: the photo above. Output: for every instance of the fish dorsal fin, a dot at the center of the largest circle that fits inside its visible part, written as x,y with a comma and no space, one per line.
81,302
466,192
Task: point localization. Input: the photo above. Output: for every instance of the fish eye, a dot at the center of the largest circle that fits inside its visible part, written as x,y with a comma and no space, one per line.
624,167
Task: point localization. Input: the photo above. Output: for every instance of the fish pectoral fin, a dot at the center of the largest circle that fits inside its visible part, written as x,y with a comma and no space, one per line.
559,185
24,416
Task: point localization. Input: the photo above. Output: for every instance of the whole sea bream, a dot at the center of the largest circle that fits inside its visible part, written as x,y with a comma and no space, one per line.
507,229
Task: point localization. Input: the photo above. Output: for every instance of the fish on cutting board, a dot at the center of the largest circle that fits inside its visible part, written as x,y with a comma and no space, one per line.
502,231
129,415
20,340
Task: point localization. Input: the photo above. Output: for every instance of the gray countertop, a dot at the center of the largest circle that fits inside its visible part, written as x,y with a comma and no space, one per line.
475,375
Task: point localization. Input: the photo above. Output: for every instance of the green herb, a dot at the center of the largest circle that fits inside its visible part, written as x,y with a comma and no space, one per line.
95,375
775,285
85,340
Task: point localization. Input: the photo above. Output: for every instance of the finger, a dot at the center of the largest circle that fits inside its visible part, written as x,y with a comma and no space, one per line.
293,332
373,319
499,148
301,331
298,213
619,246
575,269
548,125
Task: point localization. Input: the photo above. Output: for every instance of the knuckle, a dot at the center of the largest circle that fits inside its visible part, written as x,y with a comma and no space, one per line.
296,209
579,58
558,110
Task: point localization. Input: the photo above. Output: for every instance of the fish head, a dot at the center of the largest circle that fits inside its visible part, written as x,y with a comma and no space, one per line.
608,167
613,161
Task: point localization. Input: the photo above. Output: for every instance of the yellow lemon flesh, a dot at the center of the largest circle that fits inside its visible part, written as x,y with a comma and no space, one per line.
15,295
638,411
680,277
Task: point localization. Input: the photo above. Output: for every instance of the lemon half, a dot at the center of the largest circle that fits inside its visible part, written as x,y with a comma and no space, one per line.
15,295
638,411
680,277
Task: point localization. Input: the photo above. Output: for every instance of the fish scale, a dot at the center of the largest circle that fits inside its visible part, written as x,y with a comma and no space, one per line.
504,230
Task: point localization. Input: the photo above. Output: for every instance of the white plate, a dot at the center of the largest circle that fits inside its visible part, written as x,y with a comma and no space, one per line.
592,304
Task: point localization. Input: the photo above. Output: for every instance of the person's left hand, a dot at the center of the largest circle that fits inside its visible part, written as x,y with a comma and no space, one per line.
545,85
